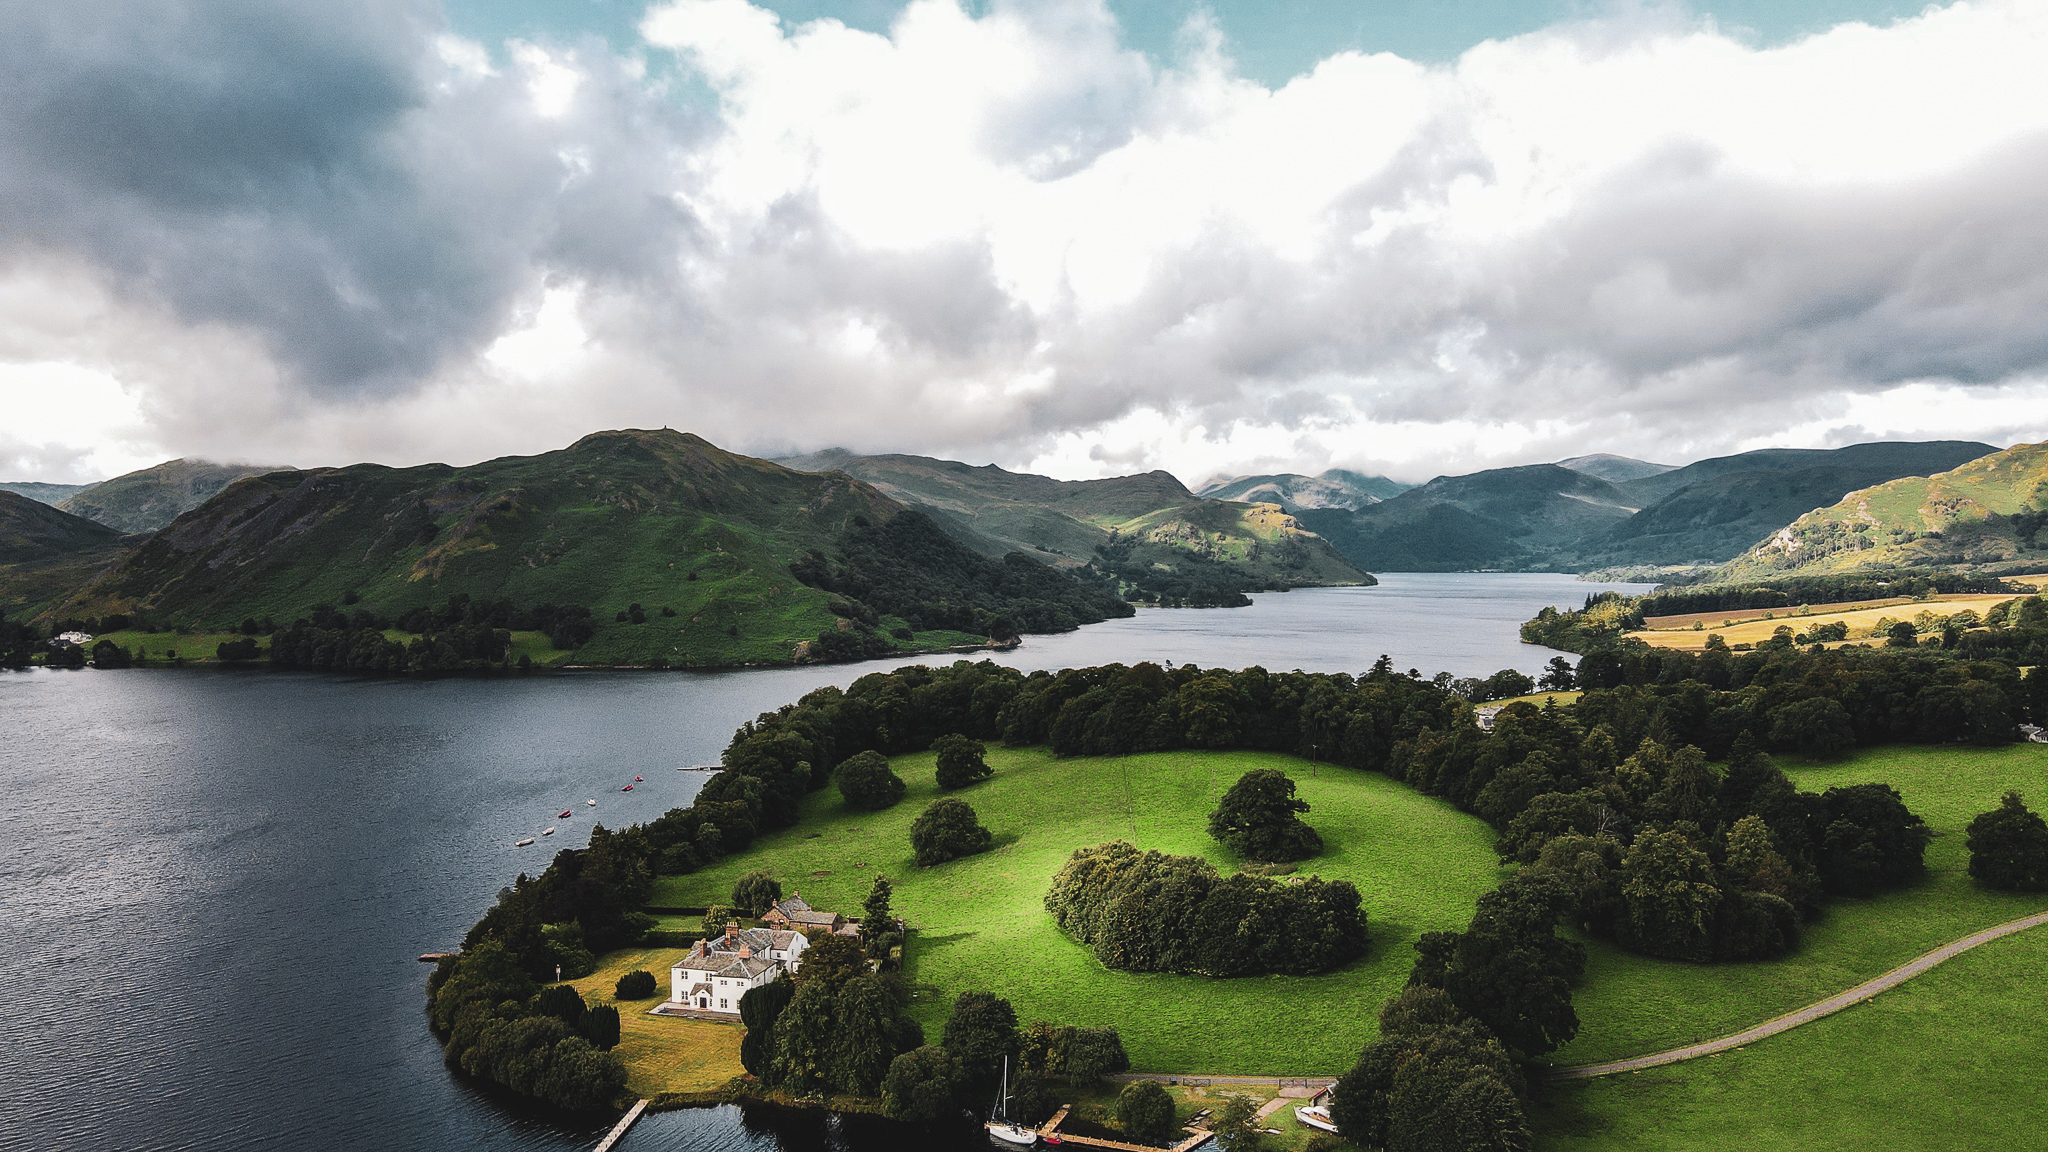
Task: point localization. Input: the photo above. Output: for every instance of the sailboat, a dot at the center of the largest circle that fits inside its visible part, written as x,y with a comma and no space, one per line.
999,1125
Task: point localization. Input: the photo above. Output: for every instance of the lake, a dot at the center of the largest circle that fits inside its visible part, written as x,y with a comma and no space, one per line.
218,881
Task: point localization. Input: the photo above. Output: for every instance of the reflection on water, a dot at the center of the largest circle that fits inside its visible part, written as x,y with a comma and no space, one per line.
217,882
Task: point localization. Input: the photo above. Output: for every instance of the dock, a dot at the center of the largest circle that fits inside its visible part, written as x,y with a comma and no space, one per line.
1196,1137
619,1129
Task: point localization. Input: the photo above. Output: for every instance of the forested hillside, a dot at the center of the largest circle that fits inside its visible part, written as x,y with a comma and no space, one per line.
676,551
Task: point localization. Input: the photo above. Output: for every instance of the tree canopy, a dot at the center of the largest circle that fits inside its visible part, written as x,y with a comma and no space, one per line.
961,761
2009,847
946,830
1259,818
866,782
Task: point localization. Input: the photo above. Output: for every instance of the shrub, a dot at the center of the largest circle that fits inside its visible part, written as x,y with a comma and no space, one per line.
635,985
946,830
562,1002
961,761
1146,1111
919,1086
866,782
600,1026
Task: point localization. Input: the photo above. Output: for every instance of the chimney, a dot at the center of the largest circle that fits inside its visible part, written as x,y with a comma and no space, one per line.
746,952
732,933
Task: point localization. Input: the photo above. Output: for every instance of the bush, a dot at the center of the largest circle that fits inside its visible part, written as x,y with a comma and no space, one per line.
866,782
244,649
1146,1111
919,1087
635,985
600,1026
946,830
756,892
961,761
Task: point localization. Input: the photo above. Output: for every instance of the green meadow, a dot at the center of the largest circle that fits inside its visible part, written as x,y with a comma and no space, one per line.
979,923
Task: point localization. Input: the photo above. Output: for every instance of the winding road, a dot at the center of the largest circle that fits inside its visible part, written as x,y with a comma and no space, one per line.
1794,1019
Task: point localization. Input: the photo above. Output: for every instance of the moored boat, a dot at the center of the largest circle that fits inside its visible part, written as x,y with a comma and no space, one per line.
999,1125
627,788
562,815
1317,1116
522,843
592,803
547,831
639,779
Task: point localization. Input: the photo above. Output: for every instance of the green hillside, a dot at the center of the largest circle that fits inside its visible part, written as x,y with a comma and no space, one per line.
1335,488
42,493
1517,519
147,499
1982,515
701,539
1154,528
44,552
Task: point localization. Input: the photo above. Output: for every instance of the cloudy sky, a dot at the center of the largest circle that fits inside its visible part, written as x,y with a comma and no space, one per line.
1059,235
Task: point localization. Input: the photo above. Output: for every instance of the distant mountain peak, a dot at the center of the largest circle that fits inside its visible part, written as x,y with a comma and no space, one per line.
1614,469
1334,488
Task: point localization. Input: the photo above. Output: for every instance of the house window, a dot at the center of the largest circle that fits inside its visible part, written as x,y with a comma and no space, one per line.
723,1004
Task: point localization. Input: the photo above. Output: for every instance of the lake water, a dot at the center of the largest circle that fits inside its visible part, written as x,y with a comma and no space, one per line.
216,882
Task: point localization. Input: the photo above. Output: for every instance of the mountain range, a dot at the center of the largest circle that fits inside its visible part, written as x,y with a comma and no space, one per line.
143,500
1336,488
1558,518
1149,528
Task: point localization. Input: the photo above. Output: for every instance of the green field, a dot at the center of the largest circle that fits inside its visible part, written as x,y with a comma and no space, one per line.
1630,1005
980,924
1953,1059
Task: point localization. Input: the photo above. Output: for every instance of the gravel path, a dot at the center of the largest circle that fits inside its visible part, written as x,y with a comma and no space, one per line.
1829,1006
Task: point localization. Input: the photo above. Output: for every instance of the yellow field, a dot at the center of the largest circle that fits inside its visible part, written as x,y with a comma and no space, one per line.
662,1053
1539,699
1800,618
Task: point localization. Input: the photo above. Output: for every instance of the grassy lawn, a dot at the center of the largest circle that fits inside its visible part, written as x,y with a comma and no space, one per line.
980,924
1630,1005
1756,626
662,1053
195,647
1951,1060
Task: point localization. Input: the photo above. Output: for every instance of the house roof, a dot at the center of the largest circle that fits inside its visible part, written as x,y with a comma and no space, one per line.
726,964
759,939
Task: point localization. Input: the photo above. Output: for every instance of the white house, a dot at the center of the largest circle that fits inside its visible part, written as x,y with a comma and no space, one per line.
718,971
81,639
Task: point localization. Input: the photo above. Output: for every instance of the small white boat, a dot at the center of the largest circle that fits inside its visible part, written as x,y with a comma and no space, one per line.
592,803
1316,1117
999,1125
522,843
547,831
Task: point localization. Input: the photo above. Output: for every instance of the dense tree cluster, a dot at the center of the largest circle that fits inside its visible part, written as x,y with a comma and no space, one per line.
908,567
1150,912
1195,581
934,1082
461,634
836,1027
1437,1078
946,830
499,1024
1259,818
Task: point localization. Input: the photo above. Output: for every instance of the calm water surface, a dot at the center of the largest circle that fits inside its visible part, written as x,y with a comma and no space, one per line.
216,882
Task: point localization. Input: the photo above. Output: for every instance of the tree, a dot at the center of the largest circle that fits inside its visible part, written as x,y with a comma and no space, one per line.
919,1088
1558,676
1237,1125
1259,819
803,1037
2009,847
866,782
1867,839
759,1009
755,892
832,961
877,922
1509,970
946,830
1089,1054
1668,888
1902,635
562,1002
1146,1111
635,985
961,761
980,1032
863,1039
1816,727
600,1026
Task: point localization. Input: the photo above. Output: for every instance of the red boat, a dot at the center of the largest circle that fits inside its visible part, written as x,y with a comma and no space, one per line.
564,815
627,788
639,779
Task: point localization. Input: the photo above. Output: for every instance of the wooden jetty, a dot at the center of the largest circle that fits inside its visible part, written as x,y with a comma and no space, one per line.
619,1129
1196,1137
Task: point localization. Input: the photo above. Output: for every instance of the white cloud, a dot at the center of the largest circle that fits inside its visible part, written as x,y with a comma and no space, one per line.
1007,237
